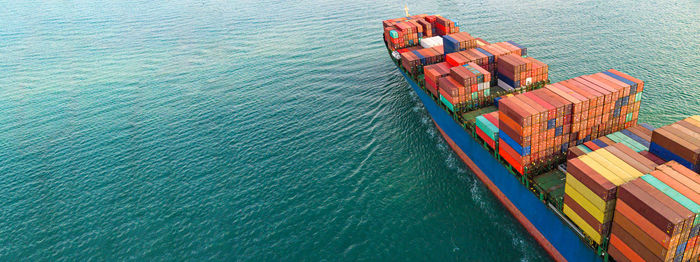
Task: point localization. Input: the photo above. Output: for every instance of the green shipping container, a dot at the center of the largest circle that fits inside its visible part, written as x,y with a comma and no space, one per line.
585,149
618,137
675,195
631,143
447,103
489,129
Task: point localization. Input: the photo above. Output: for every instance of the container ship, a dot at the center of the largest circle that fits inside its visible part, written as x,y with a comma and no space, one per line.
568,160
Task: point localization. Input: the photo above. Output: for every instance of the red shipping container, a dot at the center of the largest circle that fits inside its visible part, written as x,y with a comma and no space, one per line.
463,76
451,90
455,59
540,111
620,251
551,110
440,51
486,138
657,213
661,237
492,117
511,157
573,104
431,86
511,48
512,110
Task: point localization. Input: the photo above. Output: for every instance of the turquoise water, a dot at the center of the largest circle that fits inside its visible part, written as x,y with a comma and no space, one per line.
267,131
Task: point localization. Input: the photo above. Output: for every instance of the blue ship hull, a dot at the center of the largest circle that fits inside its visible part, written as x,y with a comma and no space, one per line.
551,232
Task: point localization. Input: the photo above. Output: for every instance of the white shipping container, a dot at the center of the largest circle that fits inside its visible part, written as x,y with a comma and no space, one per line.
505,86
431,42
425,42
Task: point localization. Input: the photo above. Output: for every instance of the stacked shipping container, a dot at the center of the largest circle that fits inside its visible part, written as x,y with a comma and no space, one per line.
428,30
402,34
504,48
443,26
679,141
657,217
486,56
515,71
487,128
466,86
408,31
471,56
618,185
539,71
520,122
607,104
591,184
458,42
432,75
637,138
414,60
431,42
461,50
496,50
538,126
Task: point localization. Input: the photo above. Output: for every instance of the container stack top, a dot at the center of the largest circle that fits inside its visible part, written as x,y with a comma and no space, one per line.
679,141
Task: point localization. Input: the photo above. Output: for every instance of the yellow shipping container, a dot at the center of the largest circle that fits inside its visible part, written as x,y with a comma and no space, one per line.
692,121
582,224
597,202
696,118
607,174
610,166
630,170
587,205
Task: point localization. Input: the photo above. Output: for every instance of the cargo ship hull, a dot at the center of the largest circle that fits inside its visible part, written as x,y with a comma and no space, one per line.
551,232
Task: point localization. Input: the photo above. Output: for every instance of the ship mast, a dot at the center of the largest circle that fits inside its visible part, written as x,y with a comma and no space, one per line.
405,8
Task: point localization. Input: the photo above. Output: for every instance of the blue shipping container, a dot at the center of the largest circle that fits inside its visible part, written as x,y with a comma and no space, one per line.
647,126
666,155
422,58
515,146
450,45
524,50
635,137
489,55
599,143
508,81
621,79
